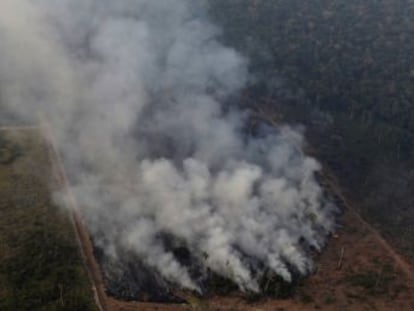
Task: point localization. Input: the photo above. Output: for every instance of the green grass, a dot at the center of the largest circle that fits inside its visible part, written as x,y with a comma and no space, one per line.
9,151
305,298
374,282
330,299
40,263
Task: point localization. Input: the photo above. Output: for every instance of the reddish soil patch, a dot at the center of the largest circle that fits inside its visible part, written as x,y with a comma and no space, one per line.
357,271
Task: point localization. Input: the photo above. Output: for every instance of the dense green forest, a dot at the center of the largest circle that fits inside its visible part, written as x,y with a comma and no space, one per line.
345,70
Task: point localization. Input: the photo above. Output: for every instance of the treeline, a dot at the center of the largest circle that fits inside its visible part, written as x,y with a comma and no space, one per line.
345,69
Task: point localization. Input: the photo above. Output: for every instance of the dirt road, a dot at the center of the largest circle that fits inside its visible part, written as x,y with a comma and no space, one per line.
106,303
400,260
82,235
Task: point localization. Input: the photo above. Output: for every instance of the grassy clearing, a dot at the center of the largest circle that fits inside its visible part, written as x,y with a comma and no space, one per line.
40,264
381,282
9,150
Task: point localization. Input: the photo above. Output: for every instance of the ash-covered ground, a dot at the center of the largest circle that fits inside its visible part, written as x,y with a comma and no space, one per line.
173,191
127,277
130,279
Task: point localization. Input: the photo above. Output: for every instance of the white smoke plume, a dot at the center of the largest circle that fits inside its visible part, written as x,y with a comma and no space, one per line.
134,90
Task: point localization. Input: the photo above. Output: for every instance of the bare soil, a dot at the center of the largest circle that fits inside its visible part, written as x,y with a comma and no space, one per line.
358,270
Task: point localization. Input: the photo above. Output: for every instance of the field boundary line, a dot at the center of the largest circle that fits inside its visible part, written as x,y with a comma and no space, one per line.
82,235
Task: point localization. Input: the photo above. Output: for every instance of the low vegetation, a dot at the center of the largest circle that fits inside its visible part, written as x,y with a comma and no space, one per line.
9,151
344,69
40,264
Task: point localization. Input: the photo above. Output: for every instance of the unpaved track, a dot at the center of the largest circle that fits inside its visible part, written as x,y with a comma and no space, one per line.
106,303
333,182
403,264
82,235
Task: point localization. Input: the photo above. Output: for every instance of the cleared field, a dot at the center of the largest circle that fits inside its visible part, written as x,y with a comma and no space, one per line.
358,271
40,264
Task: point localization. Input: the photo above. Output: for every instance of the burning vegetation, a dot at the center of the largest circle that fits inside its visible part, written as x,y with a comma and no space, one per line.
185,186
172,189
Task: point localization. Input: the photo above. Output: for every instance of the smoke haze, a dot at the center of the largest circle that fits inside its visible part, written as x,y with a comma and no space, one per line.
135,93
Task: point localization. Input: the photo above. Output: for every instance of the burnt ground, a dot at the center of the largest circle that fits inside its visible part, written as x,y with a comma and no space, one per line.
129,279
358,270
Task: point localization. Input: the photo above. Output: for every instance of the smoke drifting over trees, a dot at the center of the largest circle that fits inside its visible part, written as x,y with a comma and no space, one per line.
135,93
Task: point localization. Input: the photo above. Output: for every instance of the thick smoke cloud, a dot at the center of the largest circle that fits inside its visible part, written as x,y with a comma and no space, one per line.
134,91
